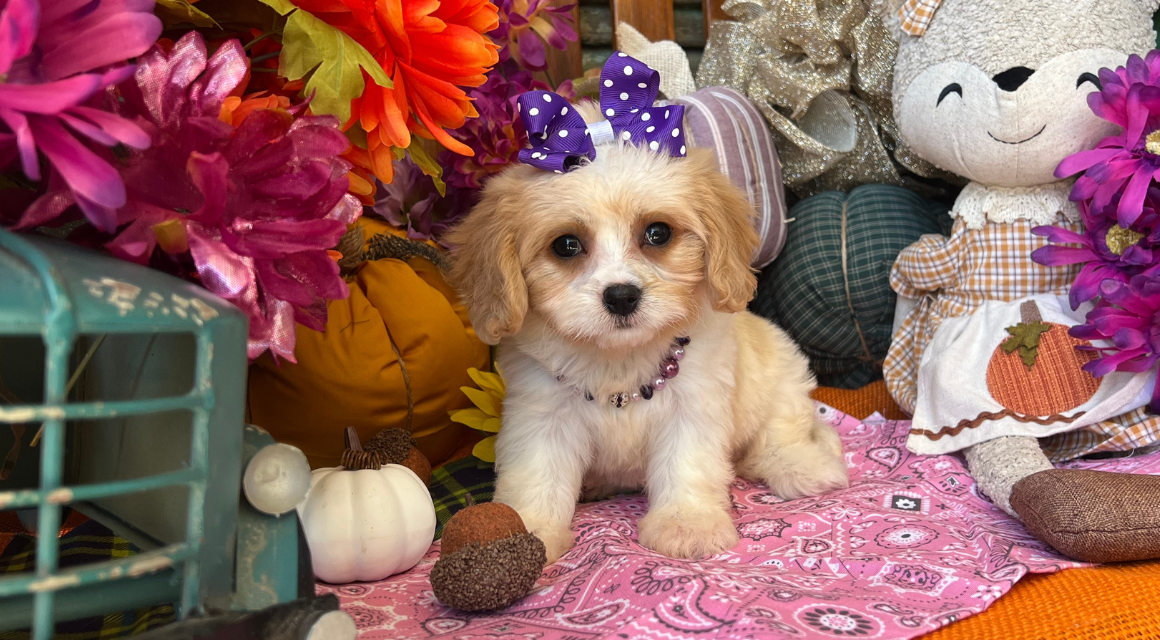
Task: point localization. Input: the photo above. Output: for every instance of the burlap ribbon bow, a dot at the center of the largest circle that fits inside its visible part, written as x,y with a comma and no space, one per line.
822,72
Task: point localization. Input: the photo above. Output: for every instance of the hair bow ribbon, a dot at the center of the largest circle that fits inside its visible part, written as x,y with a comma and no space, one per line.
561,139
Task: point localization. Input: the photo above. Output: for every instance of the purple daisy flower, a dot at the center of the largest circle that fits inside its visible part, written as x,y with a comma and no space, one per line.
1107,251
1117,174
1128,316
524,27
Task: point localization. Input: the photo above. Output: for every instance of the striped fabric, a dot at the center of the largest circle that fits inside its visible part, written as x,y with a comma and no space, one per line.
725,121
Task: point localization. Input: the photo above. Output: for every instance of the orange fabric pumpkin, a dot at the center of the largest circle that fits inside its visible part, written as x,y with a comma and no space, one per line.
402,326
1054,382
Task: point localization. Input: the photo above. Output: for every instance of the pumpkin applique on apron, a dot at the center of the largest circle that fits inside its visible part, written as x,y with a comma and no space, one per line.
1038,371
1012,369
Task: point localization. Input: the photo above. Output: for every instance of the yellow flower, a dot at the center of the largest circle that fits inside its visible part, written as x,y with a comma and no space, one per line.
488,416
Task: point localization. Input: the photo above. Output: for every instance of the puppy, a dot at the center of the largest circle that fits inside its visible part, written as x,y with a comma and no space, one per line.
589,281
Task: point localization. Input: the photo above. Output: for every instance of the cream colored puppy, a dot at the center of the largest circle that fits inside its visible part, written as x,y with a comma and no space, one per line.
585,280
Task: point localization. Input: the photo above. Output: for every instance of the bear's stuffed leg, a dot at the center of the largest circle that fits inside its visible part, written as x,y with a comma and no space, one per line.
998,464
1094,516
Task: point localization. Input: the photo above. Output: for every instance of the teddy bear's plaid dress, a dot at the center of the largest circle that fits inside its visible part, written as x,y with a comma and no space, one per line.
951,277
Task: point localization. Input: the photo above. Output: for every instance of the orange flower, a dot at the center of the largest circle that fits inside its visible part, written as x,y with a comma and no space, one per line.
235,109
430,48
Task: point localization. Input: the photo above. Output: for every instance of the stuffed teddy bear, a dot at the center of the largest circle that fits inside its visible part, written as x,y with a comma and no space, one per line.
996,91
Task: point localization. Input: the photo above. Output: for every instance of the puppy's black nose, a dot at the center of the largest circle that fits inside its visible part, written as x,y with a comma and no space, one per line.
1013,78
622,299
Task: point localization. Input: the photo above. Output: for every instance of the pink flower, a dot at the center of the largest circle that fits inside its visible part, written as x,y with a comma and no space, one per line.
54,57
255,207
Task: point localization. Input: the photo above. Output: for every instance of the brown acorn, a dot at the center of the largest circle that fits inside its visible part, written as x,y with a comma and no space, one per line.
482,523
488,559
397,446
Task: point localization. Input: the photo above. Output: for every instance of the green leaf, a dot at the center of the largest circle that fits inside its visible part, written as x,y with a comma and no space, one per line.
332,59
281,6
357,137
1025,337
175,12
428,164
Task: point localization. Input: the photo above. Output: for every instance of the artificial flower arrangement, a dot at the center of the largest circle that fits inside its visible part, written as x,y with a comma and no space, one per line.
235,144
1119,200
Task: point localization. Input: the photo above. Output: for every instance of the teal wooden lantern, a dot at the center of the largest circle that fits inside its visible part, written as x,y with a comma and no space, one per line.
134,381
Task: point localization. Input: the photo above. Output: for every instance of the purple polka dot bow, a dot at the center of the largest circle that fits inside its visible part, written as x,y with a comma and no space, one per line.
628,87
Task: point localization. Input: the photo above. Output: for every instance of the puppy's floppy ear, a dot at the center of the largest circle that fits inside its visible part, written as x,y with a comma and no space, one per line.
730,240
486,267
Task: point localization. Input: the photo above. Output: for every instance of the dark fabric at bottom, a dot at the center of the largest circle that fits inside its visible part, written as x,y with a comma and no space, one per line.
87,543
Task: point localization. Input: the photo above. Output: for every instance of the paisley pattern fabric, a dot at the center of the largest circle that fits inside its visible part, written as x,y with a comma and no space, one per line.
908,548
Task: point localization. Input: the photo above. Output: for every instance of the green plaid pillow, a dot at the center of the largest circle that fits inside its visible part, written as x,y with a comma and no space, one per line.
805,292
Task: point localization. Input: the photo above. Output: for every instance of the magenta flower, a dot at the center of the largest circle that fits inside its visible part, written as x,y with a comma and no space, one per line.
55,56
411,202
497,135
1119,171
255,207
1106,250
1128,316
524,27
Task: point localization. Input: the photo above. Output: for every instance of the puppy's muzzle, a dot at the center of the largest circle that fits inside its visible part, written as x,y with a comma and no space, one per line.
622,299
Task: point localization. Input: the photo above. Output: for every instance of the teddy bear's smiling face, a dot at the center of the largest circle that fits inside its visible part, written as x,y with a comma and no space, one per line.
996,91
1009,129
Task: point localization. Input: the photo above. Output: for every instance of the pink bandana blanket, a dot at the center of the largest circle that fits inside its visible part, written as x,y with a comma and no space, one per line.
908,548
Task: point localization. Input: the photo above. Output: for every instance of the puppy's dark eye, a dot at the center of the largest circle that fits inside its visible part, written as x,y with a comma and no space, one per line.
658,234
953,87
567,246
1092,78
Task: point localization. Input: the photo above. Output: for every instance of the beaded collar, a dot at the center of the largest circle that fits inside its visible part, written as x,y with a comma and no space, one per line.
669,369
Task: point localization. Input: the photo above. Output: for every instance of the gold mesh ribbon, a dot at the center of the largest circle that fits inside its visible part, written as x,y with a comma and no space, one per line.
822,73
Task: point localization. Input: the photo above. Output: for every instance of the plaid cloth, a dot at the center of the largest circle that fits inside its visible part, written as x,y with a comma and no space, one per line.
916,15
952,276
805,292
453,482
85,544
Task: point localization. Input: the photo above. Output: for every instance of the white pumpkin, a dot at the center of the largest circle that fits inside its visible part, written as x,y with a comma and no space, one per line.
367,524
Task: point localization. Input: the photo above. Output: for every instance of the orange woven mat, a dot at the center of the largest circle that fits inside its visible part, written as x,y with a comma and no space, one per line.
861,403
1110,602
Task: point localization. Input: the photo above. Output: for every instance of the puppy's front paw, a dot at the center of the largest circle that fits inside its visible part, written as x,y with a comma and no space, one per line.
557,541
808,468
811,475
685,533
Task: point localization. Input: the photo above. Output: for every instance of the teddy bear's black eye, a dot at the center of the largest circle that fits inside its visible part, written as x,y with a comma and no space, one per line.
953,87
1092,78
658,234
567,246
